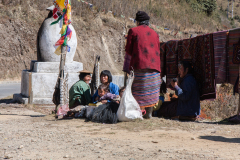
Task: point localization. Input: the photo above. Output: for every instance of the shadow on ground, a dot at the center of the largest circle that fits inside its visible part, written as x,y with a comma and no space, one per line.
221,139
225,121
7,101
24,115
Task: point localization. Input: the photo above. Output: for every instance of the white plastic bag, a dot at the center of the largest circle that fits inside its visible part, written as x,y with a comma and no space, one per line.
129,109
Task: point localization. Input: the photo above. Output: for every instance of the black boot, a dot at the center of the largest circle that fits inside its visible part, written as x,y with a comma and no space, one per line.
148,114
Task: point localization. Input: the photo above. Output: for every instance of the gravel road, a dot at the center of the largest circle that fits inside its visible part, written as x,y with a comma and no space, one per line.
30,132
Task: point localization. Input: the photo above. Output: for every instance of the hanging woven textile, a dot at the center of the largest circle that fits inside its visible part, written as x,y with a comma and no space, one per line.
171,60
163,58
234,35
220,56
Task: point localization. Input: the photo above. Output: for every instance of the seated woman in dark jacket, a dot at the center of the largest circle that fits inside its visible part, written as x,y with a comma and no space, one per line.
187,106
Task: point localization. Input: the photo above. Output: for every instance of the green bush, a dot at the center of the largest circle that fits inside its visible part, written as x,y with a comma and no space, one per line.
232,23
237,17
207,6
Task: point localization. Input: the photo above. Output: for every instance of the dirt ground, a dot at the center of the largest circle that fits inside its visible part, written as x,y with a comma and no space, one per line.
31,132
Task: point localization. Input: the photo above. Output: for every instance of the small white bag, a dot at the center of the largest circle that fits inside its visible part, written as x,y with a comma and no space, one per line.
129,109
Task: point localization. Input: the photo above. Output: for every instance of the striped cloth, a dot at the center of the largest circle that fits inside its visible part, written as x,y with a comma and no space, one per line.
146,88
220,56
234,36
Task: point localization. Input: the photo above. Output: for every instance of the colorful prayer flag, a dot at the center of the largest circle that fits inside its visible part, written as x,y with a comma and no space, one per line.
60,5
58,50
64,8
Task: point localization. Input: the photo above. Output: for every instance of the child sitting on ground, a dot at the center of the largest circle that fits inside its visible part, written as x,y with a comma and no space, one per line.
104,96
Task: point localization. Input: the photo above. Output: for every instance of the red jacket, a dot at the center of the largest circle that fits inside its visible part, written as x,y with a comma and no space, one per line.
144,47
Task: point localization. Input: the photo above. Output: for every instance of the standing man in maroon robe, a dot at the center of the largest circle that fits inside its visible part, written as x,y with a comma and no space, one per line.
144,48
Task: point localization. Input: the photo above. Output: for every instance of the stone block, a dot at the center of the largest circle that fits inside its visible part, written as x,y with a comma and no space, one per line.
118,80
53,67
73,67
43,84
32,64
42,101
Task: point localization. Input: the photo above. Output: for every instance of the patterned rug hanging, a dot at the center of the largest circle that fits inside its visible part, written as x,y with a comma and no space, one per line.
234,35
236,53
171,60
204,70
163,58
220,56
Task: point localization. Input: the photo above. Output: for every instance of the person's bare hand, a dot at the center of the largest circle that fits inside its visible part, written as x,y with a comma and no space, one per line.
97,98
173,84
104,101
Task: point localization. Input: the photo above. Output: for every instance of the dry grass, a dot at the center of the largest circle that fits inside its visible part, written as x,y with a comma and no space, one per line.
172,14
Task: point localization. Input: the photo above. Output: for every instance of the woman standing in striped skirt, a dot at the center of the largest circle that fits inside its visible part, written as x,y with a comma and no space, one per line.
144,48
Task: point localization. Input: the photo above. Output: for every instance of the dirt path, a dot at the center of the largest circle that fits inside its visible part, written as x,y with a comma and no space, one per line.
27,134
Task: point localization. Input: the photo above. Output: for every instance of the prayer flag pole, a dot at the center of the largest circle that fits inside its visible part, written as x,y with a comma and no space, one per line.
62,11
62,64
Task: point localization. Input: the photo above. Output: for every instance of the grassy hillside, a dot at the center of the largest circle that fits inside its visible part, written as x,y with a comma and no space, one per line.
99,31
226,8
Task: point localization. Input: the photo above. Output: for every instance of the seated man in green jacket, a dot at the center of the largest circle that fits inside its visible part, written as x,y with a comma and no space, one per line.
79,93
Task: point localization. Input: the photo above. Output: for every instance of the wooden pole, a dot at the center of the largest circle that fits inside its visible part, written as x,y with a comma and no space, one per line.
125,79
62,64
98,70
59,88
228,9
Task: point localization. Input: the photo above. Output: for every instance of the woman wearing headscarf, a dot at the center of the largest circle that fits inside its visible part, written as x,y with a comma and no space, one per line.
144,48
106,78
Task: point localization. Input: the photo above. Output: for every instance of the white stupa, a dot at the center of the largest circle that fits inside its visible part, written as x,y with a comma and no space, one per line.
38,83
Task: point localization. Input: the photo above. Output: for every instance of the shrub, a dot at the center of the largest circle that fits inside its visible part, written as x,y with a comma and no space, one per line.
237,17
207,6
232,23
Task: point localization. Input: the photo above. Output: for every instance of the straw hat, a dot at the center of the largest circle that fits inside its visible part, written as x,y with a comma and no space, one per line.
85,71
